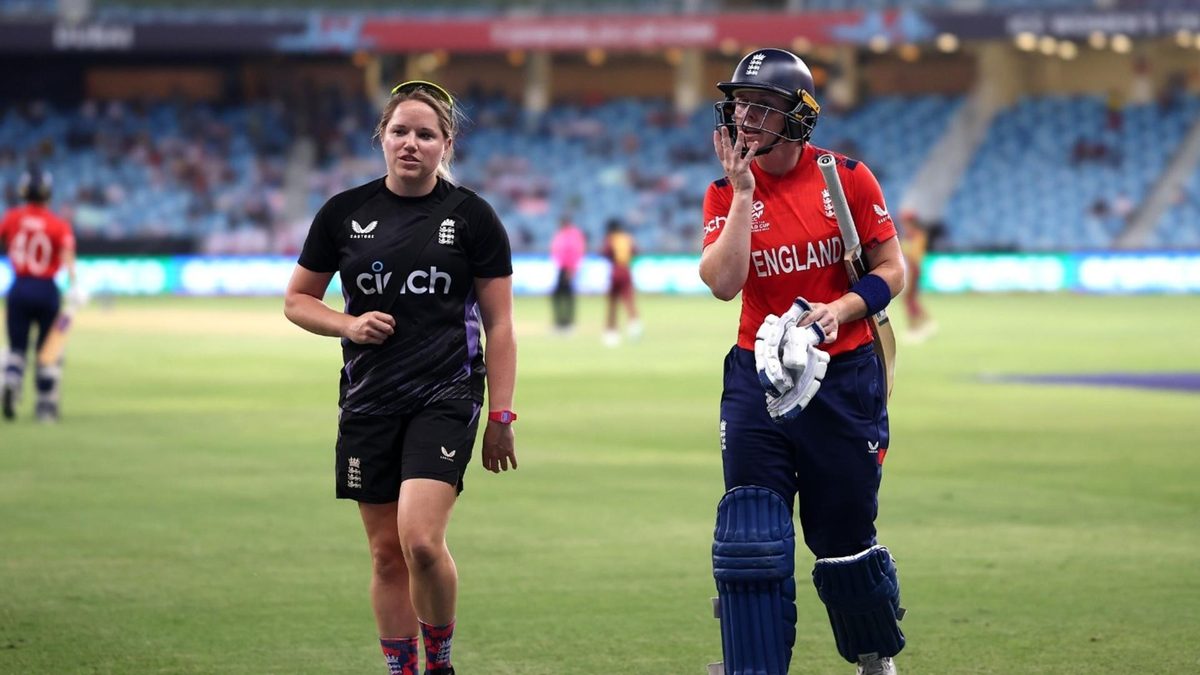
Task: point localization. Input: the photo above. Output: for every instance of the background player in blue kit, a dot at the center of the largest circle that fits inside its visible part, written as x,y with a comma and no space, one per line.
412,385
817,431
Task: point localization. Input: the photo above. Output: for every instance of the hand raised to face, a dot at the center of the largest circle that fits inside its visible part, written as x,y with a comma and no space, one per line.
735,157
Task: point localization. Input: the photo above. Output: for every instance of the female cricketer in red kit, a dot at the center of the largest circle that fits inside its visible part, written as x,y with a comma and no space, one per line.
771,234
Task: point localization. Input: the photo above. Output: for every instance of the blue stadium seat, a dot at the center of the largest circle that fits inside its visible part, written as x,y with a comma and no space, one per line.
1054,173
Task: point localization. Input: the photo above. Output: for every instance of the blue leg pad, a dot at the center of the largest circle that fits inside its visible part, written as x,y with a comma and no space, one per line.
754,550
862,596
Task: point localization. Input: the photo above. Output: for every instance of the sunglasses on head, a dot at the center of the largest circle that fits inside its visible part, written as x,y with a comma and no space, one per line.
429,87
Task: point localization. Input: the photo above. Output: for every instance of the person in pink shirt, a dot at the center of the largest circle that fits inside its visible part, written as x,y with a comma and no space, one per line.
566,249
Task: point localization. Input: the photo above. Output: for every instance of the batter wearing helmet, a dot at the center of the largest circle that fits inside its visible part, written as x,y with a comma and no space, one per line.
804,404
39,243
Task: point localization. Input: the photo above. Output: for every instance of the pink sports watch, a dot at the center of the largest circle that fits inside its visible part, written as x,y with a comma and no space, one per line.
502,416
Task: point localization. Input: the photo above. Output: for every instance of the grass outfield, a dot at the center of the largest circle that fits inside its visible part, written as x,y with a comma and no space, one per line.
181,518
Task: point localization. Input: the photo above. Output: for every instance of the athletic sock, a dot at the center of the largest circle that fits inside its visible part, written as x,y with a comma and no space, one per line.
400,654
437,645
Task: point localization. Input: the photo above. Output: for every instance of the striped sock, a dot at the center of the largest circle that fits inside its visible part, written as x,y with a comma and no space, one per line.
437,645
400,654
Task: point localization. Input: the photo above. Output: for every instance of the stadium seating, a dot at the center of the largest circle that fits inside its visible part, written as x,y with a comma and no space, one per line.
1180,227
166,170
957,5
1062,173
636,161
912,126
1051,174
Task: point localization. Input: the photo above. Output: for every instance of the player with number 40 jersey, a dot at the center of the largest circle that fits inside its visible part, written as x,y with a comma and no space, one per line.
39,244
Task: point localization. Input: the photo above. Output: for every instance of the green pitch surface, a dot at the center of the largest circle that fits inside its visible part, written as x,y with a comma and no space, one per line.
180,519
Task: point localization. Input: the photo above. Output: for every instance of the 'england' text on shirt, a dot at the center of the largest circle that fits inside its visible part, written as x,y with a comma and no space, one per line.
786,259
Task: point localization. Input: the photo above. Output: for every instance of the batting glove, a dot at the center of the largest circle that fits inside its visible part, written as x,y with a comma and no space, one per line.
807,378
770,344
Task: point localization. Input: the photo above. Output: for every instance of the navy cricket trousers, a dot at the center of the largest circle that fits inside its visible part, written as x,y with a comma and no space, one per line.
830,456
30,301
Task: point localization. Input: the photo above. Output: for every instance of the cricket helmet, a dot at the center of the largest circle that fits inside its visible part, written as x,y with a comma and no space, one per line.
779,72
35,186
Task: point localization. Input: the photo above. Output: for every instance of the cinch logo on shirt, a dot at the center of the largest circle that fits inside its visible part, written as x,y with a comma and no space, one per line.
419,282
714,224
374,281
756,223
786,259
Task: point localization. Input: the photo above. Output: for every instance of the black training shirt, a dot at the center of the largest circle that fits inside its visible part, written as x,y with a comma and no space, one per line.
436,352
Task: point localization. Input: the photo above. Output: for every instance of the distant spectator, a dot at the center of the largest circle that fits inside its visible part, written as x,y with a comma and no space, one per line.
1088,151
1122,205
1141,86
1171,96
1115,107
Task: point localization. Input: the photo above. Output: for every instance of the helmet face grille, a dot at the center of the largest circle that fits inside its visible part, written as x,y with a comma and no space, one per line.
799,122
779,72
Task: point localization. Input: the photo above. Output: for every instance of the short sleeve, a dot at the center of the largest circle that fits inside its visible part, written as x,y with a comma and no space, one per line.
716,209
320,252
870,211
490,253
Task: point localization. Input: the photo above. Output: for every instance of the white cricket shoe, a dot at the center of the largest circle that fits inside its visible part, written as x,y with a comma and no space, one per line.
635,330
874,665
47,412
612,338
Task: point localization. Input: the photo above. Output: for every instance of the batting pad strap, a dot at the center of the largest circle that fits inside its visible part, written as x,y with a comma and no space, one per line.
754,564
862,597
874,291
48,376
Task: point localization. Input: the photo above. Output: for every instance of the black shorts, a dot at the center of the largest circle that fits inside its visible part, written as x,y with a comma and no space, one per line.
375,453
